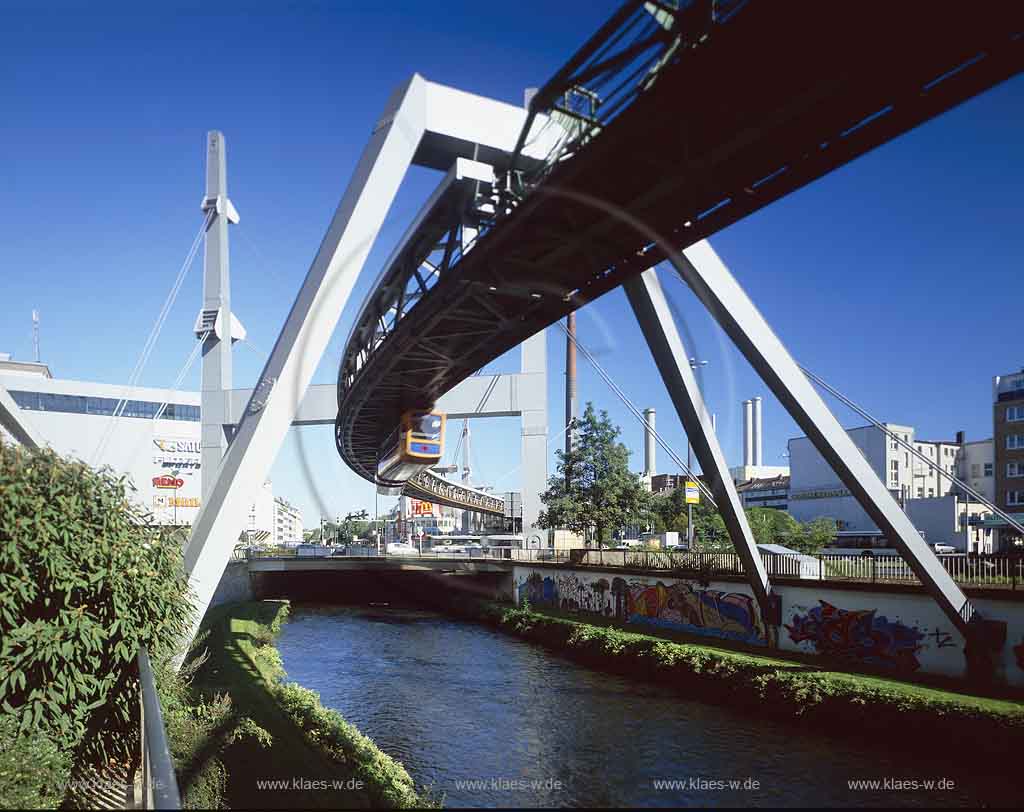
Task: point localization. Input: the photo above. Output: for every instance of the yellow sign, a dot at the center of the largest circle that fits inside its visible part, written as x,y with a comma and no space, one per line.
692,493
421,508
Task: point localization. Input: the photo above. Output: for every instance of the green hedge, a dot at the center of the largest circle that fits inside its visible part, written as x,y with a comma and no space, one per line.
386,781
84,582
33,769
901,714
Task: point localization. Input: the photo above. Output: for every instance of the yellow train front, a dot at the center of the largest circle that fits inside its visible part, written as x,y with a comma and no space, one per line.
416,443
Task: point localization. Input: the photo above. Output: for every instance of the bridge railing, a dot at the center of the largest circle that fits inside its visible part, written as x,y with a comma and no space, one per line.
158,788
998,571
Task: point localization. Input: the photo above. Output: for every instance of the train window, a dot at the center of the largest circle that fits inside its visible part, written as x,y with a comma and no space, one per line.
427,426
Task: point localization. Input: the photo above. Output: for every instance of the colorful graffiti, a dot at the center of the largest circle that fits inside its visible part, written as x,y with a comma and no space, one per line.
859,635
678,606
712,612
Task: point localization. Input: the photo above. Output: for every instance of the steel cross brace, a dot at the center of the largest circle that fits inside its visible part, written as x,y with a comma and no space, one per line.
717,289
659,328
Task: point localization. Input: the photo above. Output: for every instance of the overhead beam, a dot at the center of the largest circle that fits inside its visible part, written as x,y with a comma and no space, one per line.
511,395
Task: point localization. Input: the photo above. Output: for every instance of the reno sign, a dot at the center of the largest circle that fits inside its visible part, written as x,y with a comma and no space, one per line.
165,481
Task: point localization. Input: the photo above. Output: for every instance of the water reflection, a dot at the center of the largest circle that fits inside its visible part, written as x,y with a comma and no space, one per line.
493,721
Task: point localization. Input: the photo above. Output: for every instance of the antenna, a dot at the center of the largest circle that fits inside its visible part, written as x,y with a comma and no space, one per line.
35,333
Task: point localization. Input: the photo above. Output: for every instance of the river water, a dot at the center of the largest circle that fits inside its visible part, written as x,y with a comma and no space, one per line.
488,720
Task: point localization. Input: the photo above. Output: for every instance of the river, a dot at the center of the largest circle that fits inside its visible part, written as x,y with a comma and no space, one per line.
488,720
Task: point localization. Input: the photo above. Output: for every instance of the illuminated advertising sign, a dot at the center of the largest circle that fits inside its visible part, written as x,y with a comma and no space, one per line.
421,508
164,481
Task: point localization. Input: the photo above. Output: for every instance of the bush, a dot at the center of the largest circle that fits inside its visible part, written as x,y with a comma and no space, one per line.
84,582
33,769
386,781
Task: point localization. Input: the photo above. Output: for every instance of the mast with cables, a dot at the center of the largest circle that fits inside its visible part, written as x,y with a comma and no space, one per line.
216,328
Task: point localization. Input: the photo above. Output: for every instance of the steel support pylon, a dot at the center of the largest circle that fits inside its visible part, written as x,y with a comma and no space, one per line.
307,330
216,364
659,328
717,289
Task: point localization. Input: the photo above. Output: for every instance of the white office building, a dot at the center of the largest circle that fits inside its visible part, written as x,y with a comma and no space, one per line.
154,442
929,496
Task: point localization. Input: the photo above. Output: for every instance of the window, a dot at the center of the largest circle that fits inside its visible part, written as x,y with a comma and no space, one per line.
1014,414
80,404
931,492
1015,497
907,455
895,465
1015,441
1014,469
988,469
920,493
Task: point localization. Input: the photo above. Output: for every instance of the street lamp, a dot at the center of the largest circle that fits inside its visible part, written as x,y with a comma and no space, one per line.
694,363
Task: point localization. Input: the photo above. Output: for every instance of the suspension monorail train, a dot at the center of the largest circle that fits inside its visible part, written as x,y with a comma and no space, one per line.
416,443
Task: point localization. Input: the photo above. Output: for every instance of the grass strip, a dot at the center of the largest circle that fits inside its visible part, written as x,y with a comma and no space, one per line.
314,759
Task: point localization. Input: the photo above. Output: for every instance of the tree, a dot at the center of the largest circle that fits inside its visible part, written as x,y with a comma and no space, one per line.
593,489
815,535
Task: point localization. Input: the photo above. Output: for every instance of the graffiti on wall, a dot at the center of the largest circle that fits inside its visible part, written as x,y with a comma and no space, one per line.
859,635
678,606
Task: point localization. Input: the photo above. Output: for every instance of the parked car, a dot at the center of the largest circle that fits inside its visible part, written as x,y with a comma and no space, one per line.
678,548
943,549
401,548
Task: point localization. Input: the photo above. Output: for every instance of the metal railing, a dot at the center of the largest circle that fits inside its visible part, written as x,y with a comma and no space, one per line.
158,788
999,571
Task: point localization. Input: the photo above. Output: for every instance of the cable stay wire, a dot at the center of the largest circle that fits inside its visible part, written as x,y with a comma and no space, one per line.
639,416
154,335
906,446
816,379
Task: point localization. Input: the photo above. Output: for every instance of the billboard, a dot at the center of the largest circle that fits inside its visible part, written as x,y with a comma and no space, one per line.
421,508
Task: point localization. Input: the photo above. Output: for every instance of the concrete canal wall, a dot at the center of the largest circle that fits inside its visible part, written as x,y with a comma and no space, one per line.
894,628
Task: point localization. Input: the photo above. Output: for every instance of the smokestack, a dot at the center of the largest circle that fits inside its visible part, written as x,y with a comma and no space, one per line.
758,437
649,447
748,432
570,378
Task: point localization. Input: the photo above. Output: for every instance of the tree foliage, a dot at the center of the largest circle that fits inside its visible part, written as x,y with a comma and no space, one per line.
593,492
768,525
84,582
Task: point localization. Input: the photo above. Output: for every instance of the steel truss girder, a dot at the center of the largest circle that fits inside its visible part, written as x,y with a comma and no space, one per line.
652,312
783,127
727,302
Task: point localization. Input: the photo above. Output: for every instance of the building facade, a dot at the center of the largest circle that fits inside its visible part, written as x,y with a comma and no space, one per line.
287,522
767,493
151,436
1008,450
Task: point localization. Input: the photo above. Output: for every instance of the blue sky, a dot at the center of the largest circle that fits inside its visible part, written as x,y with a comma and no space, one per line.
897,278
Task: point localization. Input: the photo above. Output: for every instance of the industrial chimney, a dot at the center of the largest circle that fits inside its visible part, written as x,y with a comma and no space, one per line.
758,436
649,448
748,432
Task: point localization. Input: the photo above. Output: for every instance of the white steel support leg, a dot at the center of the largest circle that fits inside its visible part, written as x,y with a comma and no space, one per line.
306,333
534,448
722,295
13,418
659,328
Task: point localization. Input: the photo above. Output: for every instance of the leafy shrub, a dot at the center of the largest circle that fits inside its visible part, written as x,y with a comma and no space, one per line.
386,781
84,582
33,769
